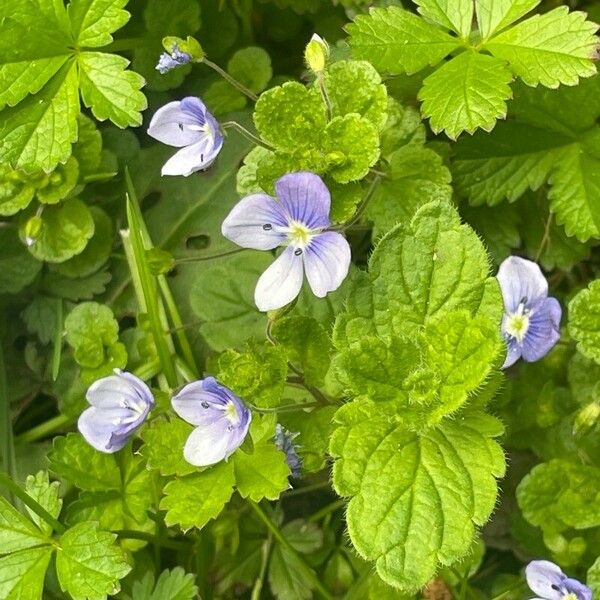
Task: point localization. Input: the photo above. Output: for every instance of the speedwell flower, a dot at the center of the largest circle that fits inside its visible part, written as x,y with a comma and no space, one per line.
548,581
170,60
120,404
531,319
284,441
297,219
186,124
221,419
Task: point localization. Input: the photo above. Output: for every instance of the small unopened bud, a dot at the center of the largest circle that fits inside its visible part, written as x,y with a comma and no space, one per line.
586,418
160,261
32,229
190,46
316,53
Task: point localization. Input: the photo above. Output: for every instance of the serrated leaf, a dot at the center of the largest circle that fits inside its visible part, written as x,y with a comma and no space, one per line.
93,21
416,499
467,93
494,15
584,320
46,495
37,133
307,345
416,176
65,231
17,532
110,90
262,474
175,584
194,500
397,41
22,573
558,495
456,15
556,47
354,86
160,438
89,564
287,576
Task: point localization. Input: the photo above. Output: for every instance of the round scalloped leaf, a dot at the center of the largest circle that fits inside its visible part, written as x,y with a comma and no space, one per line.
584,321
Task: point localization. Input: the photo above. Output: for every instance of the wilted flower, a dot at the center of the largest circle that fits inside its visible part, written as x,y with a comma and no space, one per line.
284,441
531,319
221,419
120,404
548,581
171,60
186,124
297,219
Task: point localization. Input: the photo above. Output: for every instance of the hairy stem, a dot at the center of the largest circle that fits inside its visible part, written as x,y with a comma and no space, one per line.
234,82
247,134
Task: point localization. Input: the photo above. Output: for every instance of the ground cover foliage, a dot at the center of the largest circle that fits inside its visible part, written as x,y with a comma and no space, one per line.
389,452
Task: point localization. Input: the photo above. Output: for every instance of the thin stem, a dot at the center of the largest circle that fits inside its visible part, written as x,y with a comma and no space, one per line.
309,574
363,205
234,82
247,134
326,510
188,259
57,350
46,428
307,489
545,238
324,95
6,430
131,534
315,392
284,407
36,507
266,552
504,595
186,371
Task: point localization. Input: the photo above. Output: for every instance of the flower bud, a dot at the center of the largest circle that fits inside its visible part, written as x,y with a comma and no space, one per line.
190,46
586,418
316,53
32,229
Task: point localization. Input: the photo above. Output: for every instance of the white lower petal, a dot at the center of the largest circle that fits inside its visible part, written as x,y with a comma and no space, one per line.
207,445
326,261
281,282
192,158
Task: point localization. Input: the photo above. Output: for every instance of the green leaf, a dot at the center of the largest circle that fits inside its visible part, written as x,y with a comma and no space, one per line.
307,345
194,500
257,375
92,21
17,532
555,48
416,499
495,15
59,183
110,90
89,563
584,320
252,67
46,495
65,231
416,176
403,126
262,474
304,536
352,145
161,437
175,584
16,190
76,461
454,15
17,267
290,116
559,495
397,41
38,132
287,576
593,576
467,93
41,316
354,86
22,573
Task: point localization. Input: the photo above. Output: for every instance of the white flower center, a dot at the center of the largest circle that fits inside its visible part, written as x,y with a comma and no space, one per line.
299,234
232,414
570,597
517,323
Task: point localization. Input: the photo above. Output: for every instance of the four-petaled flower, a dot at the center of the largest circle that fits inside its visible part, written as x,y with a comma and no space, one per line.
186,124
297,219
221,419
120,404
531,322
284,441
548,581
171,60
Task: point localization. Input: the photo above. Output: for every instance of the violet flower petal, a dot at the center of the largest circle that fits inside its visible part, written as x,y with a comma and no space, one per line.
545,579
543,332
281,282
255,222
174,126
305,198
521,279
326,262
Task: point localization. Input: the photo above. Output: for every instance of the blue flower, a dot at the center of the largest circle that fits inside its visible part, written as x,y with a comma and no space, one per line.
297,219
548,581
221,419
120,404
186,124
284,441
531,322
175,58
